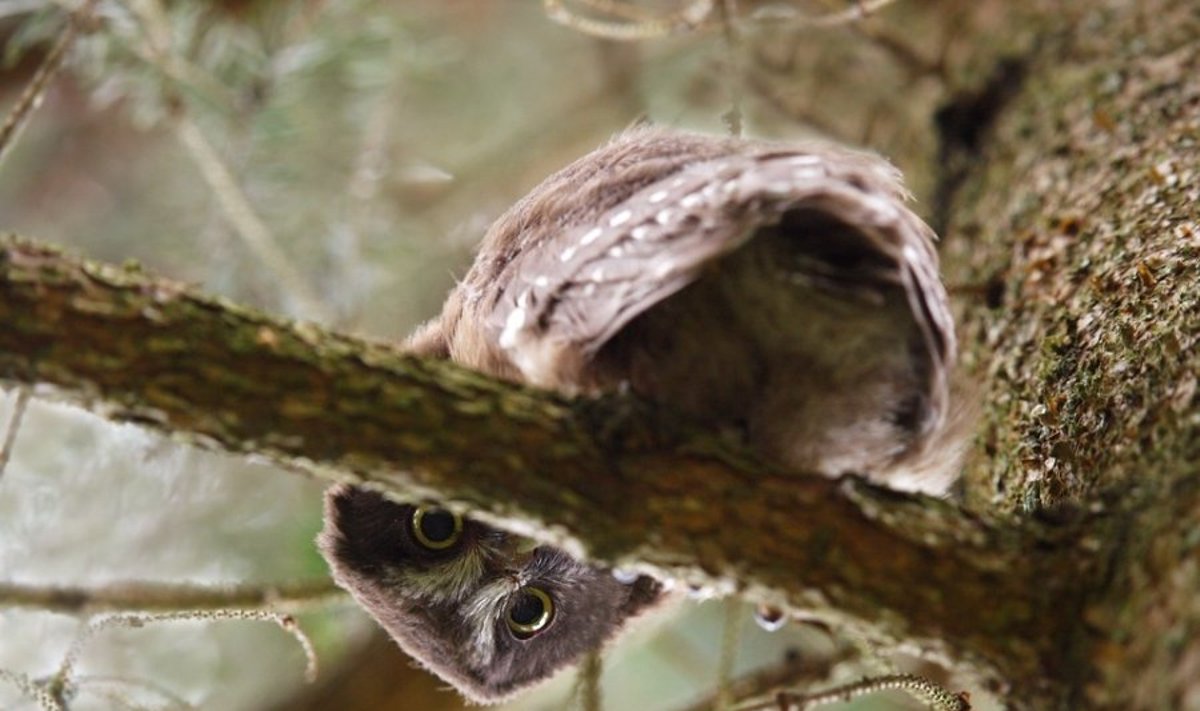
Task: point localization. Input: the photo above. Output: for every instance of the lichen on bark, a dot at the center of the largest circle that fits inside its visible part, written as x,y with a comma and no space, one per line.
1087,213
1082,212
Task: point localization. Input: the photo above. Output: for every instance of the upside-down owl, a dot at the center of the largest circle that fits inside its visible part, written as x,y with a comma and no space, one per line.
783,292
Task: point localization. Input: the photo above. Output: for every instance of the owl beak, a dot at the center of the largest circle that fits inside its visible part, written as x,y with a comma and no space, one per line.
520,552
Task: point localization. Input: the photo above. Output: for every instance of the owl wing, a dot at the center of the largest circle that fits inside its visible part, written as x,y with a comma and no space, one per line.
570,295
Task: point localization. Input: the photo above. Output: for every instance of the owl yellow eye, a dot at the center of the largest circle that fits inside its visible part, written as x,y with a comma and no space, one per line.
530,613
436,529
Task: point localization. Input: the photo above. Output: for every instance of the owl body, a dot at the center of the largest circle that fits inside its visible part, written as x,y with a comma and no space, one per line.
785,293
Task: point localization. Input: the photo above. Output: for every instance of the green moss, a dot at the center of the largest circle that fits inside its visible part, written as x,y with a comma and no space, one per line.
1098,284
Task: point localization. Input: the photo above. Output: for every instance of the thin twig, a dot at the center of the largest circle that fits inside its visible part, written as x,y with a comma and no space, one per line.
14,424
631,25
625,29
163,597
62,679
12,8
733,67
229,195
920,688
858,11
155,50
802,115
33,94
900,50
616,8
246,222
30,688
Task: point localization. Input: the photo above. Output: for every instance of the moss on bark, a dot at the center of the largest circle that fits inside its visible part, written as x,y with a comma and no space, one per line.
1082,212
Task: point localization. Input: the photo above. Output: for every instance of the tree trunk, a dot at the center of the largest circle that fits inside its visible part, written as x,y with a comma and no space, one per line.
1078,220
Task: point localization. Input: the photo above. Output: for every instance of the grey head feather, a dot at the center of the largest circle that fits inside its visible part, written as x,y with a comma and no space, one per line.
457,630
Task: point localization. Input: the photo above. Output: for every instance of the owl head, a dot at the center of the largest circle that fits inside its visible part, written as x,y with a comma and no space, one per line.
485,610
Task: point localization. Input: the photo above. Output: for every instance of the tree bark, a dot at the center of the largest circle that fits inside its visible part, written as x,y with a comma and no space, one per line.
605,478
1079,217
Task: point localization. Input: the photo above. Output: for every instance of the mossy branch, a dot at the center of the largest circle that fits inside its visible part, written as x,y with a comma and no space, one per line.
608,478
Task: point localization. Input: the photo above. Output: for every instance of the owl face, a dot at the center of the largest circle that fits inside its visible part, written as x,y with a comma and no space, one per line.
483,609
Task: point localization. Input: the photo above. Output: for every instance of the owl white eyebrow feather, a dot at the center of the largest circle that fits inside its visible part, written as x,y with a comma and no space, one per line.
452,580
481,613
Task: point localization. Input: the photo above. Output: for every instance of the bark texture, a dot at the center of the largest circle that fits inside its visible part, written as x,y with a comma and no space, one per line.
1081,221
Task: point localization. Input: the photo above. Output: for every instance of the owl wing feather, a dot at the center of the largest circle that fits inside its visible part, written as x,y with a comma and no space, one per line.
569,296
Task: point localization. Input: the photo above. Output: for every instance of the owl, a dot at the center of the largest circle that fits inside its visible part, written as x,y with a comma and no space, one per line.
781,293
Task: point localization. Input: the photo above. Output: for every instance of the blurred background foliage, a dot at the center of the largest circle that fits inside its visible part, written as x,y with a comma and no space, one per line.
338,161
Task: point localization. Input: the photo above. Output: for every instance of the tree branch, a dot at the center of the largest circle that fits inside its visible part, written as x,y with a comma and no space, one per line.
608,477
168,597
